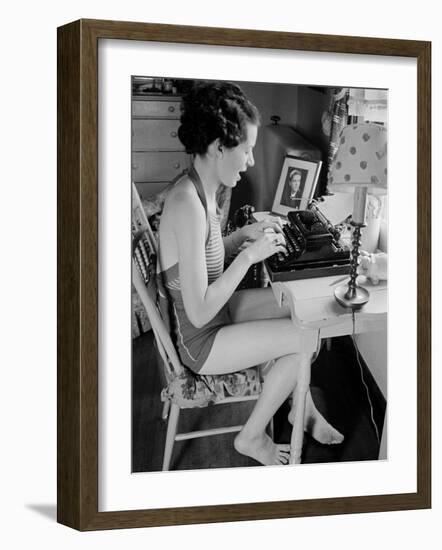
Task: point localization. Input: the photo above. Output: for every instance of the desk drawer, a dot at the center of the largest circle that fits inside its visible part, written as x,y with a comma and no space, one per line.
160,108
161,166
155,135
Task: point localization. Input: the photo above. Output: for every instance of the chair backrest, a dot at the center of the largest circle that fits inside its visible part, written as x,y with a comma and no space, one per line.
140,223
145,281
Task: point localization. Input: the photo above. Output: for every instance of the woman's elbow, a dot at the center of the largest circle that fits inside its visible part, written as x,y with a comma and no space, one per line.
196,310
199,323
197,318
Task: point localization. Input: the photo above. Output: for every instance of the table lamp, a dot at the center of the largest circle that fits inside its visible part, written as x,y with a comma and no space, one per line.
360,165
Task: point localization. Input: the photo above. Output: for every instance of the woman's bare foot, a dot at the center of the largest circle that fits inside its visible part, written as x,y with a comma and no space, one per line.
316,425
262,449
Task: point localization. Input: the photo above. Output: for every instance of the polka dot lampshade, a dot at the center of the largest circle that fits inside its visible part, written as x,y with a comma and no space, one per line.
361,159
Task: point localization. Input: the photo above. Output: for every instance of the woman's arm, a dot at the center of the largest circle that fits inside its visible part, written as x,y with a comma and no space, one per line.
202,301
232,242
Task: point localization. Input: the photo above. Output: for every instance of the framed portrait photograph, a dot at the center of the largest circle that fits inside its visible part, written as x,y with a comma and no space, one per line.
296,185
191,389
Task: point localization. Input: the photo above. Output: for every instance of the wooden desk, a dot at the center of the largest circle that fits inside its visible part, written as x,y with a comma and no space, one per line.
315,311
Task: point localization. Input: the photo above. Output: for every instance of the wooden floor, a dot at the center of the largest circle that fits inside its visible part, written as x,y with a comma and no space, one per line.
337,389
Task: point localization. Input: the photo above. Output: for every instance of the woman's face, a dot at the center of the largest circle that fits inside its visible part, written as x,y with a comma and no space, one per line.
238,159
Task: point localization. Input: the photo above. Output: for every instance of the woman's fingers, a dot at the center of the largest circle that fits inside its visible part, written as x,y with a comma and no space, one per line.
275,224
278,242
278,238
269,244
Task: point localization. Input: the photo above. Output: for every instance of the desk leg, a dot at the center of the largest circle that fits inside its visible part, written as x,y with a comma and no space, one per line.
299,397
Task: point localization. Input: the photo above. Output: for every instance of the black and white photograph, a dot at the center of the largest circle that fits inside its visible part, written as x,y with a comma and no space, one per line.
259,338
297,185
293,188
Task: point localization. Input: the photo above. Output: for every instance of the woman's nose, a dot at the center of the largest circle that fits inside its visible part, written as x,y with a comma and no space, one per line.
251,160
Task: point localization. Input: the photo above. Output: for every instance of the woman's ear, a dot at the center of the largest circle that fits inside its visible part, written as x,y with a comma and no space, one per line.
215,149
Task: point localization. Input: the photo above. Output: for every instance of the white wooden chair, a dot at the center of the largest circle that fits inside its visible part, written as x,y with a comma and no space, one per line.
183,388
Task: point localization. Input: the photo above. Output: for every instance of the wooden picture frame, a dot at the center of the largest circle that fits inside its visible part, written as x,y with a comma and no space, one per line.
77,224
305,174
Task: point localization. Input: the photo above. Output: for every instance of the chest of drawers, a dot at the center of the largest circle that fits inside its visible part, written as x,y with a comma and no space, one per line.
157,153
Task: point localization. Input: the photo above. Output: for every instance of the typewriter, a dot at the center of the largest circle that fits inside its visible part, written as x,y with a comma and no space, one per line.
313,249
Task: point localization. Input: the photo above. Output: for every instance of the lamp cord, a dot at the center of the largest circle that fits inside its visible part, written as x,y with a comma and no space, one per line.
362,378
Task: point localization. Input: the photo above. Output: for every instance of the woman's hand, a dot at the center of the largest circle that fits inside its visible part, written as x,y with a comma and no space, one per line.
255,231
265,246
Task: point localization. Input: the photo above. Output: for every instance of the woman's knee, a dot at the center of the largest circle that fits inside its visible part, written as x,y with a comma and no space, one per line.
289,361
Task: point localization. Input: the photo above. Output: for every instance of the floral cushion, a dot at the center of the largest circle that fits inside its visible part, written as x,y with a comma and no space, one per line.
192,390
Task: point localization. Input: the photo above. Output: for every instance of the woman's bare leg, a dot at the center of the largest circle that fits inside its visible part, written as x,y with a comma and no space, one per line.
316,425
246,344
252,440
242,345
249,304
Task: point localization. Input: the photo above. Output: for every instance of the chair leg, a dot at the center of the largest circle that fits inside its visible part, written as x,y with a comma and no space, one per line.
299,397
170,435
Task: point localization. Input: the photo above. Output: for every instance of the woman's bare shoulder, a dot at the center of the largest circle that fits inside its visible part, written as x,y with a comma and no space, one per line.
182,198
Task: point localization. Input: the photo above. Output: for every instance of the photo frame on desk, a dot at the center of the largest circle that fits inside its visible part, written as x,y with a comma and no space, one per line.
93,212
297,184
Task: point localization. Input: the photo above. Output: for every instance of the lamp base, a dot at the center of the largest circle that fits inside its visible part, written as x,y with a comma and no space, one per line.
353,298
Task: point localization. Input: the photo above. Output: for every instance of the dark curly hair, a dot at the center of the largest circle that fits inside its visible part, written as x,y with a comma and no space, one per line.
212,110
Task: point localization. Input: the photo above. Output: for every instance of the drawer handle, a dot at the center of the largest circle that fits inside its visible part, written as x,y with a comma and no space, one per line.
176,165
174,134
171,109
135,166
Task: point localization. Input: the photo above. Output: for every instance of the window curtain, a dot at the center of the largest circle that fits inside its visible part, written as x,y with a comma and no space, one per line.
333,120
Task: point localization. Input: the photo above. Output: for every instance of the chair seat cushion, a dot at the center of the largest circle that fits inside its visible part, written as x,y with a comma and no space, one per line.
190,390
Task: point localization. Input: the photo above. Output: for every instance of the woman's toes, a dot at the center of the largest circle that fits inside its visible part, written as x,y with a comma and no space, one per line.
262,449
283,455
284,458
337,439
